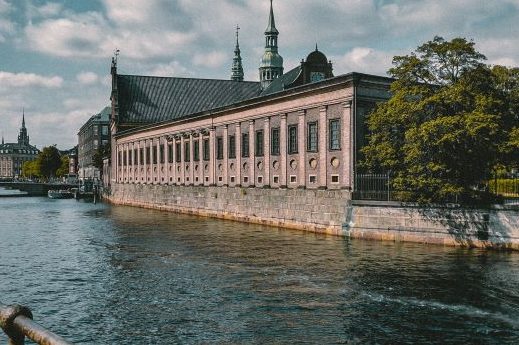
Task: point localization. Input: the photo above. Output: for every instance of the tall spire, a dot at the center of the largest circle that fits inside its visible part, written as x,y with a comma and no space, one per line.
237,68
23,138
271,66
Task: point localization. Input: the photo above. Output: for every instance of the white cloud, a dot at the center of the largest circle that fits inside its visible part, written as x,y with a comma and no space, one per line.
364,60
8,79
87,78
47,10
211,59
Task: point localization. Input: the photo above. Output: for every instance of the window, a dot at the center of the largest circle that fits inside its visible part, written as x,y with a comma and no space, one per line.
311,145
292,139
335,135
148,155
170,153
259,143
124,158
206,149
178,152
104,130
276,179
130,158
274,142
232,146
219,148
141,156
162,158
335,178
245,145
187,151
154,149
196,150
135,157
120,158
313,179
293,178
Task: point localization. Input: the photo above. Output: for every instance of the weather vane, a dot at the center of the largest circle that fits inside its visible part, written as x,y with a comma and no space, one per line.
116,54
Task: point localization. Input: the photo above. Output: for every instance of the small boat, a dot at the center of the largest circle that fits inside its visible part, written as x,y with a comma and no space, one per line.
60,194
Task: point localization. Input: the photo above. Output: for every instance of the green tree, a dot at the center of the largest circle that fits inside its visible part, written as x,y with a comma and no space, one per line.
49,161
31,169
64,168
102,152
449,123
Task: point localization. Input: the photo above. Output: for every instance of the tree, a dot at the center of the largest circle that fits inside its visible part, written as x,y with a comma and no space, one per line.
451,119
31,169
64,168
49,161
102,152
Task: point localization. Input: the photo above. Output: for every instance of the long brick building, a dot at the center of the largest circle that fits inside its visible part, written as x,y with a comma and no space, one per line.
299,130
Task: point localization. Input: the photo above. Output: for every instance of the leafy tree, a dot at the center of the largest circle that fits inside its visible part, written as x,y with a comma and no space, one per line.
31,169
64,168
450,121
49,161
102,152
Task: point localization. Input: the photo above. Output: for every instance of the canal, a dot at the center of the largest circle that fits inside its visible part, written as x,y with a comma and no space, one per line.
100,274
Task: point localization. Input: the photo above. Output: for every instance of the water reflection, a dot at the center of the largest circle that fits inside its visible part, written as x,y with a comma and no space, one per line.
105,275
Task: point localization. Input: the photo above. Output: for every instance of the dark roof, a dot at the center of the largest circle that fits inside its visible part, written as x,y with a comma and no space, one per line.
17,147
144,99
279,83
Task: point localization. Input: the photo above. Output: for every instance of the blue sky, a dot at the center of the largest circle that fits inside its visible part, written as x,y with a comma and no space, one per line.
55,55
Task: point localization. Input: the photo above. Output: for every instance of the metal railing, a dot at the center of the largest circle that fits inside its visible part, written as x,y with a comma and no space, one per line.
16,322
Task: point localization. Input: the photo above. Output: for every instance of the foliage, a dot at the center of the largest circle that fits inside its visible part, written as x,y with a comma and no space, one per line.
450,121
49,161
505,186
64,168
102,152
31,169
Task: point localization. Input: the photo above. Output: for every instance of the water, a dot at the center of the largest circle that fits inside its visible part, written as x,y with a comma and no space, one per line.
98,274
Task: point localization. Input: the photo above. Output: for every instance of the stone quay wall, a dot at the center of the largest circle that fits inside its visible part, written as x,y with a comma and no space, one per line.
453,226
330,212
321,211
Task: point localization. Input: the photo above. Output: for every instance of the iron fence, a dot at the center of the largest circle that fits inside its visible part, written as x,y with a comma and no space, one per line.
372,187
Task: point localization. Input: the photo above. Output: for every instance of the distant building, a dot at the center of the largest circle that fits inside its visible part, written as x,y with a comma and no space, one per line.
14,155
72,162
92,135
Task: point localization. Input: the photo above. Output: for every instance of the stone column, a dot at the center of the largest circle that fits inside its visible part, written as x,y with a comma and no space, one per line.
238,154
192,160
201,175
283,150
252,153
346,164
175,163
225,170
301,149
323,173
266,151
158,174
182,161
212,155
166,160
145,160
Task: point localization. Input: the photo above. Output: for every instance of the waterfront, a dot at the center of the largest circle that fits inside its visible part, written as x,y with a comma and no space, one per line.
98,274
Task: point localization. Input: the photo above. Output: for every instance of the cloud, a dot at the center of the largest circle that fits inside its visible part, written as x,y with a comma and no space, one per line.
87,78
364,60
8,79
211,59
50,9
7,26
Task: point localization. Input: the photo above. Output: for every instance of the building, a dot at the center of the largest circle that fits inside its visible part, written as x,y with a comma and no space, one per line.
14,155
294,132
92,135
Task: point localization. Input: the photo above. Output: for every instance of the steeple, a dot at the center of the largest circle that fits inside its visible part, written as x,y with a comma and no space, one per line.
271,65
237,68
23,138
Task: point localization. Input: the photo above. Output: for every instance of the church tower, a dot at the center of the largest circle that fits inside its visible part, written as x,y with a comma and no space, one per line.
23,137
237,68
271,65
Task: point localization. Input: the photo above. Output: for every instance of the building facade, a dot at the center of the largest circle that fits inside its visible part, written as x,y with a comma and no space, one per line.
14,155
92,135
290,139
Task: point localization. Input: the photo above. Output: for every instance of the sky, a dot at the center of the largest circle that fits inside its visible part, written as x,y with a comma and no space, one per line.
55,55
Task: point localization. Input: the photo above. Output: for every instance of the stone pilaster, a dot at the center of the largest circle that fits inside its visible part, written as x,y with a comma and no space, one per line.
301,149
238,154
266,151
346,163
322,148
225,170
212,156
192,160
182,161
252,154
283,150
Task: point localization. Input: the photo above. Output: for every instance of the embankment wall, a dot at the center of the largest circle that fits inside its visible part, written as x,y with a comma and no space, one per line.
331,212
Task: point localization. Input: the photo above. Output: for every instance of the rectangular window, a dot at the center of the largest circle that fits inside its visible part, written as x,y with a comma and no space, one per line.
178,152
154,149
187,152
311,142
219,148
104,130
120,158
292,139
206,150
141,156
232,146
196,151
162,158
148,155
130,158
135,157
245,145
274,142
259,143
335,135
170,153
